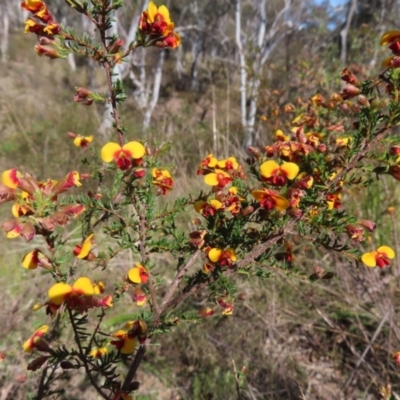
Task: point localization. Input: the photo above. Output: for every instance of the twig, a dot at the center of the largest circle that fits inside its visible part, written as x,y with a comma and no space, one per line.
134,366
83,358
237,382
141,212
176,281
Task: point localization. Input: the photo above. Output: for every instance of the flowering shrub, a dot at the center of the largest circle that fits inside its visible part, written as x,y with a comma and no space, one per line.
244,223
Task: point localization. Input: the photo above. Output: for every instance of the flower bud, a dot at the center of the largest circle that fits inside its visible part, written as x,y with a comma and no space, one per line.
288,108
43,40
47,52
116,46
322,148
248,210
349,77
355,232
363,100
255,152
139,172
350,91
66,365
369,225
395,150
37,363
197,238
394,170
28,231
47,223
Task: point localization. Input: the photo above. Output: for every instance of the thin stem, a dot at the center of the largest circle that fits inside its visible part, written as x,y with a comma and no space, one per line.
83,358
141,212
177,280
134,366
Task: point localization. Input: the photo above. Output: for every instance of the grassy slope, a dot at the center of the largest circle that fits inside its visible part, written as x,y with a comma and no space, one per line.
293,336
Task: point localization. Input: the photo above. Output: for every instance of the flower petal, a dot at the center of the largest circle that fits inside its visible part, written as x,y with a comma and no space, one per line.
108,151
387,250
151,11
134,275
135,149
267,168
369,259
214,254
83,286
163,10
291,170
58,293
389,37
211,179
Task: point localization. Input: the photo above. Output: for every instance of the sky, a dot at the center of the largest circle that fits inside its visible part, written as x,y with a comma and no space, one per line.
333,3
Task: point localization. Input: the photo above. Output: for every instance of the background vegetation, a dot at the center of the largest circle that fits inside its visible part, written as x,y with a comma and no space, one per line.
294,339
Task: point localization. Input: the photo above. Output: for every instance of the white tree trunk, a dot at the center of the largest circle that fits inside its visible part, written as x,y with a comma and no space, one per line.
158,70
107,122
242,64
5,28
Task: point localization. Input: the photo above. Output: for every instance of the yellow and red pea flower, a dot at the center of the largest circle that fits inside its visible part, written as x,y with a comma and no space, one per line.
276,174
355,232
137,329
20,210
225,258
14,229
304,181
343,141
227,305
78,296
218,179
231,201
124,343
396,357
36,340
139,296
392,38
83,251
138,274
162,178
34,259
61,292
228,164
72,179
99,287
106,302
98,352
79,140
11,178
84,96
209,163
38,8
333,200
280,136
271,199
156,23
122,156
208,208
295,195
206,312
33,6
6,194
197,238
379,258
73,210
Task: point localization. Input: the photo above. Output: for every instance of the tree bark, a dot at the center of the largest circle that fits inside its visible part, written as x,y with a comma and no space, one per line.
345,31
